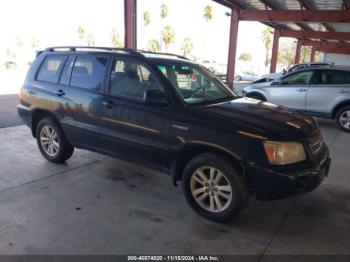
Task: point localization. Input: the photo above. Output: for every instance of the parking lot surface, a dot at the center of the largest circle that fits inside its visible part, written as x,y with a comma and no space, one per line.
95,204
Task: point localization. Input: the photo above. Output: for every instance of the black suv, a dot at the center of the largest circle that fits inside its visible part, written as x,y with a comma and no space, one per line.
174,115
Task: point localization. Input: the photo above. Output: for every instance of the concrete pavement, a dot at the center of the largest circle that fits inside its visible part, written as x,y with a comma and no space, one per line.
8,111
99,205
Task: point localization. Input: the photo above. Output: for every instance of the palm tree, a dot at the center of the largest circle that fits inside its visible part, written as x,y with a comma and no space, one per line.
187,46
81,32
116,41
164,11
168,36
245,57
146,22
146,18
153,45
90,40
266,37
208,15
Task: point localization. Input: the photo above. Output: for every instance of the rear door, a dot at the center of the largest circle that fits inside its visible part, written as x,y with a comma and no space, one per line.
132,129
328,88
81,92
290,91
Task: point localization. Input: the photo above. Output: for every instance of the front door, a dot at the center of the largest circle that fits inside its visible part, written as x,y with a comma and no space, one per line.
130,128
290,91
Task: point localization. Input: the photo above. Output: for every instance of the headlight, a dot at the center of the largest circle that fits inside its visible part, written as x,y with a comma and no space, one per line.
284,153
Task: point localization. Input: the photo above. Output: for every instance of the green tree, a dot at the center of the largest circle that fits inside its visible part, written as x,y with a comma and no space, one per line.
146,18
90,40
245,57
153,45
164,10
286,53
187,46
266,37
34,43
208,13
81,32
116,40
168,36
305,54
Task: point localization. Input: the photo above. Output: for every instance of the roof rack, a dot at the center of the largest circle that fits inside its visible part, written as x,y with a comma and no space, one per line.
76,48
110,49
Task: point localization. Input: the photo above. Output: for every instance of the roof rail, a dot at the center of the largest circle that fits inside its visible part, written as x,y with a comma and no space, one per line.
76,48
111,49
158,53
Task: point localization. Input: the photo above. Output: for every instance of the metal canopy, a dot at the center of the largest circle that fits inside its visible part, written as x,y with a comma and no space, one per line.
322,24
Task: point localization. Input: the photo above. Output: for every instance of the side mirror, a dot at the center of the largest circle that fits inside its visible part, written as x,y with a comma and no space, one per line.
284,71
276,83
154,97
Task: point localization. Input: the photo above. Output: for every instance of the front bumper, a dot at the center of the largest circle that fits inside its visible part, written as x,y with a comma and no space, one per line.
269,184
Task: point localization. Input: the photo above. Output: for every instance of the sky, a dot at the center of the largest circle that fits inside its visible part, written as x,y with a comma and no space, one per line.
55,23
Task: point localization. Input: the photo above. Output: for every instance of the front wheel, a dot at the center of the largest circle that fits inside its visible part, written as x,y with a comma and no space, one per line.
342,118
52,142
214,188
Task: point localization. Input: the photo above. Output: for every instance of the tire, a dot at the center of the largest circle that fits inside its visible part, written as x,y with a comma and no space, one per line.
56,149
342,118
238,79
257,97
230,207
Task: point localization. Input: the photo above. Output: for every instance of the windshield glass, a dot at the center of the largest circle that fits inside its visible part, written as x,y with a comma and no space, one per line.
194,83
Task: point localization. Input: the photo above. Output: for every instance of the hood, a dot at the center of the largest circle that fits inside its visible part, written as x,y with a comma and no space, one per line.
263,118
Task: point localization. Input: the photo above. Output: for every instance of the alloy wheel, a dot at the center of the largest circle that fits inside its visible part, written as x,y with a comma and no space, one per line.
344,119
211,189
49,140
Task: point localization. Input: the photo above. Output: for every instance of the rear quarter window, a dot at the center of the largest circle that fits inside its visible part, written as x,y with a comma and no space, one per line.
50,69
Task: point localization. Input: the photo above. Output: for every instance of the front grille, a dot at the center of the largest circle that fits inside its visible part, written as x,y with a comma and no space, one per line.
316,142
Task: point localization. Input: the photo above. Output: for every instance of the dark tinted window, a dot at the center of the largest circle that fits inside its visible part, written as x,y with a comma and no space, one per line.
129,78
88,72
299,78
332,77
67,71
51,68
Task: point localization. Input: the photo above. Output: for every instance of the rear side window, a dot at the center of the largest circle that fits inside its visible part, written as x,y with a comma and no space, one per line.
333,77
51,68
89,72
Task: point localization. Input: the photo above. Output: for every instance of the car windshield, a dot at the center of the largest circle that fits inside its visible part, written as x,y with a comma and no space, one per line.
194,83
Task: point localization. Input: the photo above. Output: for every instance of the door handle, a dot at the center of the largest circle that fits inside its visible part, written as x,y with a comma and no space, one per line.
302,89
344,91
60,92
109,104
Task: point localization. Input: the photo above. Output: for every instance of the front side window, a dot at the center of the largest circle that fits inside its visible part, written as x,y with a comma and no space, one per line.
51,68
194,84
332,77
89,72
299,78
131,79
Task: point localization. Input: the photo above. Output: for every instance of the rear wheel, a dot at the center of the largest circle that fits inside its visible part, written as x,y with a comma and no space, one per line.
52,142
342,118
214,188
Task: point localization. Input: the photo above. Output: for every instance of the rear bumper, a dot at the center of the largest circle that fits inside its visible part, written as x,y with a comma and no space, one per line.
25,113
270,185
